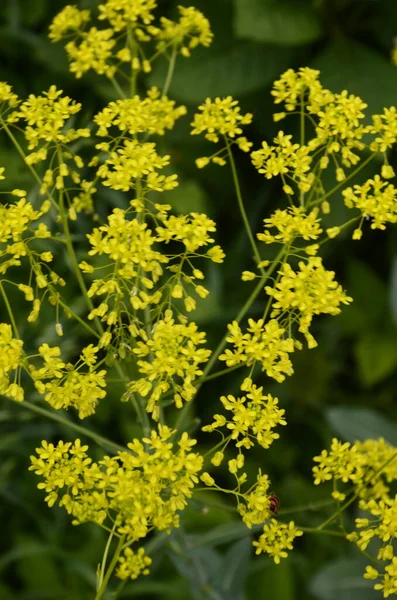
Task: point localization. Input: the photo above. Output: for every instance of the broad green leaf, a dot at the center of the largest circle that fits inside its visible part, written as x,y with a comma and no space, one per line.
343,580
237,70
352,66
376,356
289,22
266,575
353,423
364,285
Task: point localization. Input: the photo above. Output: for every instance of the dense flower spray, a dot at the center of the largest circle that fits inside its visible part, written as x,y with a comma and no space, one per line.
142,273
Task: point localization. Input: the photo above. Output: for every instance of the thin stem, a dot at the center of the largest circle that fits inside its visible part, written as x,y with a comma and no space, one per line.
170,72
9,310
324,531
71,425
302,140
342,183
241,204
202,380
110,570
105,557
117,87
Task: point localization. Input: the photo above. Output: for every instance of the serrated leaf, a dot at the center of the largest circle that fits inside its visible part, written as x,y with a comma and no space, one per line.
376,356
353,424
237,70
352,66
343,580
289,22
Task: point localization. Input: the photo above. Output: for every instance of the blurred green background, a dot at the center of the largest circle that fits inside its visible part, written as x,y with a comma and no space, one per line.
346,387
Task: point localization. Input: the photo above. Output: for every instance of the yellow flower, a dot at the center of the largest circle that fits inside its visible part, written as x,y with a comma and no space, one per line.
309,291
376,199
46,117
153,114
263,343
192,30
291,223
7,98
137,490
132,564
220,117
173,360
135,162
122,14
276,539
70,18
253,416
11,356
93,52
286,159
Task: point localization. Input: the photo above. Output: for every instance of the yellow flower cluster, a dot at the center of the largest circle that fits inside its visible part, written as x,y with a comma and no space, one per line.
7,97
46,117
108,51
309,291
172,361
192,30
221,118
254,416
134,164
15,221
136,491
375,199
153,114
382,527
368,465
276,539
132,564
291,223
290,161
69,19
94,52
67,386
122,14
11,357
263,343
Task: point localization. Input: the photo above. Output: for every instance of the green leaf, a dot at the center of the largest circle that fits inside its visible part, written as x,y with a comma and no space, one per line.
288,22
237,70
343,580
232,577
352,66
353,424
363,313
376,356
224,534
188,197
393,289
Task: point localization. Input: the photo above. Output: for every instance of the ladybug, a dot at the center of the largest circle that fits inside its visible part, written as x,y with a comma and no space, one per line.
274,504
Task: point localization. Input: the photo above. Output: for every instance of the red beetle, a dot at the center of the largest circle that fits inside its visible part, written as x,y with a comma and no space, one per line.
274,504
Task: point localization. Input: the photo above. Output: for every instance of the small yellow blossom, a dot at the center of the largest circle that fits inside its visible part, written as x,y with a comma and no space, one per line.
276,539
220,117
132,564
376,199
192,30
69,19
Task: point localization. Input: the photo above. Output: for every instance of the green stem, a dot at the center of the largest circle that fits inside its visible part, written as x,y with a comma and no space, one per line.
342,183
117,87
105,557
110,570
78,428
9,310
241,204
202,380
324,531
170,72
302,139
